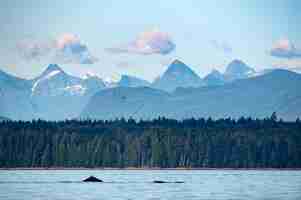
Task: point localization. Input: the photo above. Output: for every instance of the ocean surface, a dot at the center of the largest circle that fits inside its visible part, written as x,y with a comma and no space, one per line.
137,184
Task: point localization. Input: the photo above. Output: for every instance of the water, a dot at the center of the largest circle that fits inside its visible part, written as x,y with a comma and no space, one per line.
137,184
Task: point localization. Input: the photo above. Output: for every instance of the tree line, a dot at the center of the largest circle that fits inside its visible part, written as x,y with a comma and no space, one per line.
163,143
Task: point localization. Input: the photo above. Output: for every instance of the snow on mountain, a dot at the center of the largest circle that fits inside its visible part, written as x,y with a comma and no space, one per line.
58,95
90,75
75,89
54,82
47,76
110,82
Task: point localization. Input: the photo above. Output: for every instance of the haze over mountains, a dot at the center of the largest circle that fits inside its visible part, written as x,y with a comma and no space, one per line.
179,93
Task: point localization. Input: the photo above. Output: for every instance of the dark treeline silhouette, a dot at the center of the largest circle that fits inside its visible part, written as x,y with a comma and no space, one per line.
223,143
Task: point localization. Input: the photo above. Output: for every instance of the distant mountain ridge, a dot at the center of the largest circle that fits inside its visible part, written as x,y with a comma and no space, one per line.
277,91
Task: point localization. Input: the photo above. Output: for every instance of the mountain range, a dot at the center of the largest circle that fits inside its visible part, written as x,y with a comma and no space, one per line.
277,91
52,95
179,93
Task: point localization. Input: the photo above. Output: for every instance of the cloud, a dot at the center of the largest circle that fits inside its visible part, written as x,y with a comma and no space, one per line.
147,43
67,48
285,49
124,64
30,49
221,46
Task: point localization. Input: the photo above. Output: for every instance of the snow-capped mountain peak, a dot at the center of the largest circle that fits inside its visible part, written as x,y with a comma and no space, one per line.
51,71
51,74
214,78
178,66
237,69
178,74
75,89
111,82
53,81
52,68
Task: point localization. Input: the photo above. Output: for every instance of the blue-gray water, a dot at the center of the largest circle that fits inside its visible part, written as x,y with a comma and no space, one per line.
137,184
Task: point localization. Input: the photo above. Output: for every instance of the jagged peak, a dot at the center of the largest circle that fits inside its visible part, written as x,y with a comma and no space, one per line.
178,65
237,61
215,72
53,67
177,62
214,78
237,66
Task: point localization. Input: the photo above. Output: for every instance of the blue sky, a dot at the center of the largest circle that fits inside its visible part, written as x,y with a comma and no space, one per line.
141,37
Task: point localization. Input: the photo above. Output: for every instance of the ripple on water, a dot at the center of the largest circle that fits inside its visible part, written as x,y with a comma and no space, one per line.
137,184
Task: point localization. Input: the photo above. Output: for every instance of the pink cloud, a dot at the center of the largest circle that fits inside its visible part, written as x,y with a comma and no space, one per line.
284,48
66,48
149,42
70,49
66,39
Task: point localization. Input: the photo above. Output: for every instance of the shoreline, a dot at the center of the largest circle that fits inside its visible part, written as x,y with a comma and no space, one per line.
148,169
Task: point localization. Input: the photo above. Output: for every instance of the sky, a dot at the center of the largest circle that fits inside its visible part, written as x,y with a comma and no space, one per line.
141,38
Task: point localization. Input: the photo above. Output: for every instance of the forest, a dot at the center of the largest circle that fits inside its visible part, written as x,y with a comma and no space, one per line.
157,143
